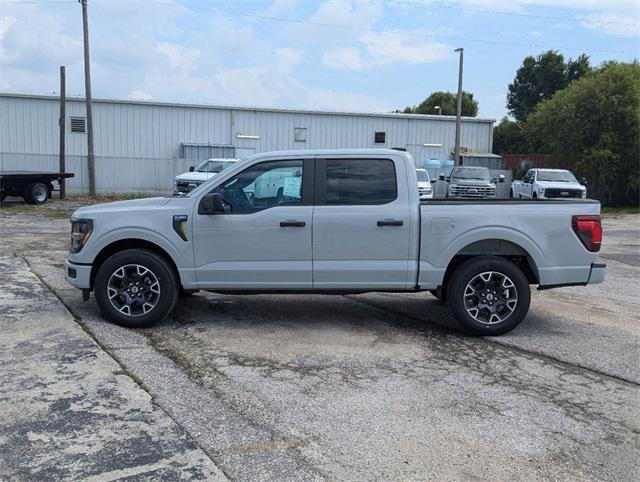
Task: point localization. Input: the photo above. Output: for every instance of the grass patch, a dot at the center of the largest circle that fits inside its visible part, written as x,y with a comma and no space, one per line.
613,212
107,198
53,212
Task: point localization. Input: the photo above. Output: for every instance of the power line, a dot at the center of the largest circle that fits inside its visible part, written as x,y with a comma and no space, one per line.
372,30
512,14
383,31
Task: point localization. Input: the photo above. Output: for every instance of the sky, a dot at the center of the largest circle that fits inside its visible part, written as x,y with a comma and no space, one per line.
346,55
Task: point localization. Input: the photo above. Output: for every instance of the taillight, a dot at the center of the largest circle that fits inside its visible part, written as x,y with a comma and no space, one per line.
589,231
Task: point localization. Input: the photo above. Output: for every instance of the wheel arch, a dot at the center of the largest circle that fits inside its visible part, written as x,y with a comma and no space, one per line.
500,247
131,243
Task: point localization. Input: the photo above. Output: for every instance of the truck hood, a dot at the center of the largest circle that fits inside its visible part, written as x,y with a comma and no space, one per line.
131,205
560,185
195,176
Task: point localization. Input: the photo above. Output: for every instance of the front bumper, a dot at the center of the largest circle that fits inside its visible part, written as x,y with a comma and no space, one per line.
79,275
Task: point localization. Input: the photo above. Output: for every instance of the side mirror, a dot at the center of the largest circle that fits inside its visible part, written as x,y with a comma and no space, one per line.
441,177
501,178
211,204
583,181
433,181
191,169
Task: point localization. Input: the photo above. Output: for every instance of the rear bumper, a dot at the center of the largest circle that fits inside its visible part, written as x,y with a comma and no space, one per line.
78,275
597,274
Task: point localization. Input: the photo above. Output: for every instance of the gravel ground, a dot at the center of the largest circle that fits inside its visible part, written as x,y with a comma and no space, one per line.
382,386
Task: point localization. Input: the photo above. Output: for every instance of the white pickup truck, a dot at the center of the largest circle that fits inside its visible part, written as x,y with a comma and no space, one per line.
338,221
548,184
188,181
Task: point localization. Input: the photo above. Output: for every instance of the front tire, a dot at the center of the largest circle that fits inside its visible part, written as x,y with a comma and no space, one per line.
488,296
136,288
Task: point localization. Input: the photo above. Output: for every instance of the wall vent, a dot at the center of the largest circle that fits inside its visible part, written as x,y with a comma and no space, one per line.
78,124
380,138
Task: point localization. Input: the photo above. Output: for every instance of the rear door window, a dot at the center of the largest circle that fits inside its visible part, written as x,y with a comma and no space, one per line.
360,181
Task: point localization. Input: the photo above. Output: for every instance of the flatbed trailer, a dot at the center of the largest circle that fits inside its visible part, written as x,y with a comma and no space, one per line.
35,187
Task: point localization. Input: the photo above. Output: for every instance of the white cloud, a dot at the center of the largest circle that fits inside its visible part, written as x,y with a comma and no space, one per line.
348,58
179,56
279,7
5,24
140,94
288,58
614,24
382,49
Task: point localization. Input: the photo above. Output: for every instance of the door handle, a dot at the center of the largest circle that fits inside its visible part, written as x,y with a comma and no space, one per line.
292,224
390,222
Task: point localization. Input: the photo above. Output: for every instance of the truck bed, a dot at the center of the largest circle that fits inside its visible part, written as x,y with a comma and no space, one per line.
540,230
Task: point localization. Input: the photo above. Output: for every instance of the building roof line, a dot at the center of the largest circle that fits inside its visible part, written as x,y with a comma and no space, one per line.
387,115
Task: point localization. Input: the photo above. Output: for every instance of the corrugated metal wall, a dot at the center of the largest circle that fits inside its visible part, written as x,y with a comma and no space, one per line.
147,130
127,134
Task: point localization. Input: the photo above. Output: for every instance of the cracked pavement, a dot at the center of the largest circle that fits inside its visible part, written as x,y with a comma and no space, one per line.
363,387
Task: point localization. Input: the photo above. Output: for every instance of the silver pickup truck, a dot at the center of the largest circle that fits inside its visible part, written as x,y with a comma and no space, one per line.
331,221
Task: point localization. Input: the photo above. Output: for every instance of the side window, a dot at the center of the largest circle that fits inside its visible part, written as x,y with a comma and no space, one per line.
361,181
262,186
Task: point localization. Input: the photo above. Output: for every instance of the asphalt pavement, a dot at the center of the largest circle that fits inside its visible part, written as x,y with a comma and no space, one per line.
382,386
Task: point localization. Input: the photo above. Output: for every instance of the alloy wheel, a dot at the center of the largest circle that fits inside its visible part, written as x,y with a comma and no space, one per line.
133,290
490,297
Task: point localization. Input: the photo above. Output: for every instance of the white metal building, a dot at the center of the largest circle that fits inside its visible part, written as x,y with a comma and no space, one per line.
141,145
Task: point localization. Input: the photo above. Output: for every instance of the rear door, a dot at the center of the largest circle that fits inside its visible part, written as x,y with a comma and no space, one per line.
361,224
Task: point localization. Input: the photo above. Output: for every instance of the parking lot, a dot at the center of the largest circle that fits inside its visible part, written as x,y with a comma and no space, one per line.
278,387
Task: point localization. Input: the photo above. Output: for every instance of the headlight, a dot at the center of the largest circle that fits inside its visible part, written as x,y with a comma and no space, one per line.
81,230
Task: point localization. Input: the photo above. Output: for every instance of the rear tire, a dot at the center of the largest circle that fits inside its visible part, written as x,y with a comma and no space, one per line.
136,288
36,193
488,296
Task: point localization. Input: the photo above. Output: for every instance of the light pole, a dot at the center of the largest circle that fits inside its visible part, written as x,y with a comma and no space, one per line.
87,95
438,108
456,151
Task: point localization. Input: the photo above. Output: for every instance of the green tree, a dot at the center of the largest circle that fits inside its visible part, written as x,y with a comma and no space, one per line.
593,128
539,78
508,138
447,102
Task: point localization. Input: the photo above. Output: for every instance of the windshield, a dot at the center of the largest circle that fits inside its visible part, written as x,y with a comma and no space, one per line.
557,176
214,166
423,176
481,174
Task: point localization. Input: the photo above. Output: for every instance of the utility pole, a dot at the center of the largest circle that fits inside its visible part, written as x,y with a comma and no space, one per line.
87,94
457,161
62,123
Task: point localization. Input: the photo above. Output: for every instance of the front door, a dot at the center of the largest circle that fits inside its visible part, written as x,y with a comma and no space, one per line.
263,240
361,225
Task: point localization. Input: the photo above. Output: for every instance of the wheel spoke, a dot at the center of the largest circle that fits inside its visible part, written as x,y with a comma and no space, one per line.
490,297
133,290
